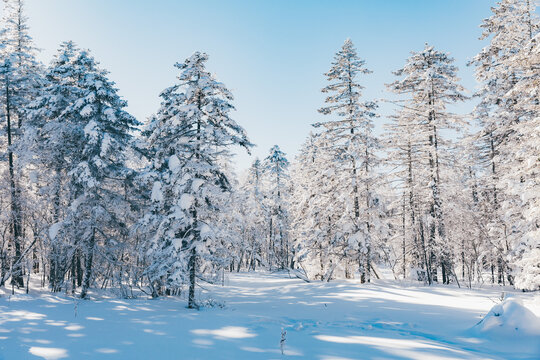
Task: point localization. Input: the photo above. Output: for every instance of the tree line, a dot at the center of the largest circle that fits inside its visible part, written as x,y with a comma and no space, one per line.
92,197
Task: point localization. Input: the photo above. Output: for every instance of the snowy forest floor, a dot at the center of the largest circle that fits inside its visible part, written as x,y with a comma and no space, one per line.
338,320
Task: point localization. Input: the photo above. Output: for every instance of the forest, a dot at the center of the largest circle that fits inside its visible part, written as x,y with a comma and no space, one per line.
93,198
412,233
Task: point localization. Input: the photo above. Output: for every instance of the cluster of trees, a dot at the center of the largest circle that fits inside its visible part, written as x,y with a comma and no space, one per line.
93,198
87,200
460,195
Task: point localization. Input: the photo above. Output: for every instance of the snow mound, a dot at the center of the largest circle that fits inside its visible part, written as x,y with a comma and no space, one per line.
509,317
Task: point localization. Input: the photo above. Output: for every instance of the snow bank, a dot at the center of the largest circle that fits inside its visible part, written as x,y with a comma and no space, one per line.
509,318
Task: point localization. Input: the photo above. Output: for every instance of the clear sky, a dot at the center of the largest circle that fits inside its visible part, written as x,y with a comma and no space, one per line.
272,54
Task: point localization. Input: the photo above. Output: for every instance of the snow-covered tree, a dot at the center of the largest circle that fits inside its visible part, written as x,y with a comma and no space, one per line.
523,163
276,176
404,140
50,147
84,138
316,209
506,73
350,139
251,209
430,82
190,133
19,81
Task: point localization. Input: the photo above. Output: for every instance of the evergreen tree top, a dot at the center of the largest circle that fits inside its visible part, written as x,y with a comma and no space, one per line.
16,42
276,161
200,104
344,89
429,73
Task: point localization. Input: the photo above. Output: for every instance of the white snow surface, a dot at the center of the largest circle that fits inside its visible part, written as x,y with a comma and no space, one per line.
510,318
338,320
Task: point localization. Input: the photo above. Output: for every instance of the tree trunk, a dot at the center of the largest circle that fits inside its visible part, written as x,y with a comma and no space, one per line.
16,272
88,265
403,245
192,272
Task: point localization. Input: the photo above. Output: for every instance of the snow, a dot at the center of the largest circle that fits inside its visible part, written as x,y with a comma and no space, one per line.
197,183
157,194
186,201
87,111
110,114
48,353
174,163
105,145
91,129
529,276
206,232
337,320
53,230
510,318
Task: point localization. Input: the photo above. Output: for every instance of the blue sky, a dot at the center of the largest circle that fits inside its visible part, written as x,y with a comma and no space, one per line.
272,54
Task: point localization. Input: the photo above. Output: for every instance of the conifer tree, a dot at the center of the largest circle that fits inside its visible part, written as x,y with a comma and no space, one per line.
49,140
88,131
19,82
351,141
500,67
192,130
275,170
429,80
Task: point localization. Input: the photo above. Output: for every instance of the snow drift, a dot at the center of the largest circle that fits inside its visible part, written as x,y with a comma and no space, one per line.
509,318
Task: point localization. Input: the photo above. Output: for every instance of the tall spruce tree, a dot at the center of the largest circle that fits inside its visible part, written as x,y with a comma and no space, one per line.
430,81
50,141
87,126
192,130
276,175
19,82
510,30
351,140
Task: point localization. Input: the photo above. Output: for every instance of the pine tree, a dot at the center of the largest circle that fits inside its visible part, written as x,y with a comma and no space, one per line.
275,171
87,125
351,141
190,133
19,81
49,140
429,79
510,30
252,211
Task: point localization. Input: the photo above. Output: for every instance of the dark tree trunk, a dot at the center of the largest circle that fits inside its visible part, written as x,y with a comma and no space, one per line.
192,272
78,267
16,229
404,243
73,274
88,262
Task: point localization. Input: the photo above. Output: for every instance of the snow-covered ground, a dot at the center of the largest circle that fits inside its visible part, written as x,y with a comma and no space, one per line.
339,320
